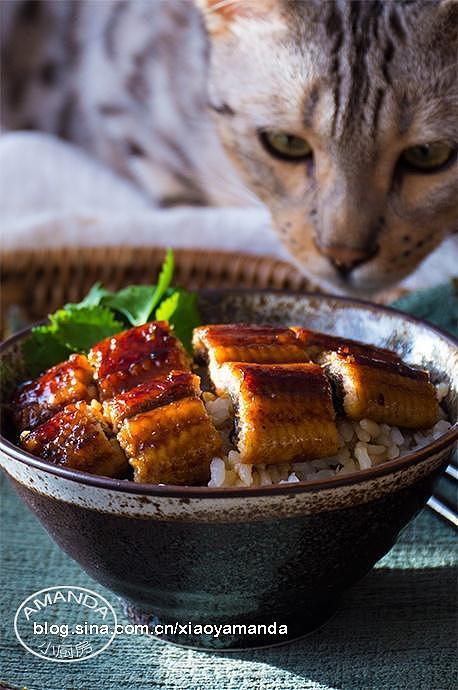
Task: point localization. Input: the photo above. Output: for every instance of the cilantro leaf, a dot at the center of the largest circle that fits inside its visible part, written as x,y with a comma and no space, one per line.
93,298
137,302
164,280
11,370
134,302
78,326
43,349
79,329
69,330
180,310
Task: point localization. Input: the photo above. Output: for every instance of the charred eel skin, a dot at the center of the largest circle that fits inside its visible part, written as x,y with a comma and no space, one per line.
77,437
129,358
284,411
172,444
36,401
220,343
156,392
386,391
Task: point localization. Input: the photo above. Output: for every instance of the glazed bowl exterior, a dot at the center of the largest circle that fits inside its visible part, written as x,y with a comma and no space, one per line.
263,556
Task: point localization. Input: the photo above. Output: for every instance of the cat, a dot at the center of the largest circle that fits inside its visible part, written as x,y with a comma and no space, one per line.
340,116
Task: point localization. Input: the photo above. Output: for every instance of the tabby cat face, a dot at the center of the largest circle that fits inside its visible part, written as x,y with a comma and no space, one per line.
342,118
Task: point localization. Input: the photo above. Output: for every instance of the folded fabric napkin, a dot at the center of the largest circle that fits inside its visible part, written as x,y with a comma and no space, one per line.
54,195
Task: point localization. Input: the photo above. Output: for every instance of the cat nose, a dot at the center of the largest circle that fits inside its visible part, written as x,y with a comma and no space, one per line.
345,259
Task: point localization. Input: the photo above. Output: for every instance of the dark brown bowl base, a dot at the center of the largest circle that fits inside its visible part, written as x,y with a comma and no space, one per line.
292,571
300,624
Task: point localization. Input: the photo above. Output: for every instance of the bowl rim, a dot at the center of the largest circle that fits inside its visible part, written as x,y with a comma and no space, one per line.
287,488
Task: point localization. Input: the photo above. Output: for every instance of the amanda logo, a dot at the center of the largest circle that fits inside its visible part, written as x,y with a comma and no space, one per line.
65,623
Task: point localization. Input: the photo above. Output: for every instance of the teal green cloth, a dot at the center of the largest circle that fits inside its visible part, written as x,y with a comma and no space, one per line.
396,630
439,305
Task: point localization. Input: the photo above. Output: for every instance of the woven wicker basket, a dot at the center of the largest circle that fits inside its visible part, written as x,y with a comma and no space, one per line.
37,282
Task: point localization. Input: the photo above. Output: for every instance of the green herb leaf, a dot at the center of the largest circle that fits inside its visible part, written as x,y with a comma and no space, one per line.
134,302
78,326
79,329
180,310
93,298
9,376
70,330
42,350
164,280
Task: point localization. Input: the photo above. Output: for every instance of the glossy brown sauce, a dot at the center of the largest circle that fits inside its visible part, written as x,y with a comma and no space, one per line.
322,342
70,427
123,351
285,379
389,365
36,401
240,334
45,388
360,353
153,393
135,356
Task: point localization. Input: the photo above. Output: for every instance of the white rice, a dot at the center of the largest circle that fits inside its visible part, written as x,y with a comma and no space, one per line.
219,410
362,445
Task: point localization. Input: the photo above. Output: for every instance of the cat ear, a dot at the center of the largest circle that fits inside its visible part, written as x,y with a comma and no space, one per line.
220,14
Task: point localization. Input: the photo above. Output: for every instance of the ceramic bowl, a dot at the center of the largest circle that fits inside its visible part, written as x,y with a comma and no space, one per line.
280,554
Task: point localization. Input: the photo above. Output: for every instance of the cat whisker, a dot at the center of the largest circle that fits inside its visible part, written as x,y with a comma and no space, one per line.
219,182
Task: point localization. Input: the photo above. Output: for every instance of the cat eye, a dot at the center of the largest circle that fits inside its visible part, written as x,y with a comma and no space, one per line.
428,157
285,146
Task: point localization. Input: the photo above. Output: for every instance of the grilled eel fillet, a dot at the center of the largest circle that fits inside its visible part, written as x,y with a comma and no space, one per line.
37,401
129,358
384,389
315,344
216,344
77,437
172,444
374,383
147,396
284,411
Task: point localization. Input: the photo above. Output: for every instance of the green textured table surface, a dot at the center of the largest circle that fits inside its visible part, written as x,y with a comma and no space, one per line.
396,630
